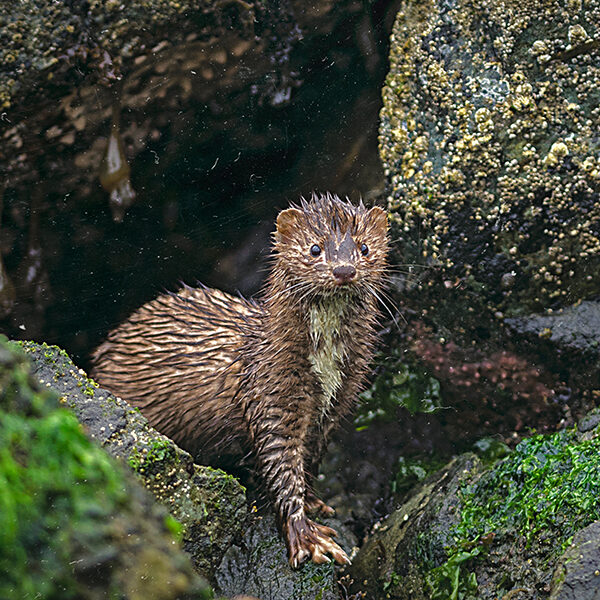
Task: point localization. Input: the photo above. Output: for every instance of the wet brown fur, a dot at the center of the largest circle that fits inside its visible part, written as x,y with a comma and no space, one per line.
216,372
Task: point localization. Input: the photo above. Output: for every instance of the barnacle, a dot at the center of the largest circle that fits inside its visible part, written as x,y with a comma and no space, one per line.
507,98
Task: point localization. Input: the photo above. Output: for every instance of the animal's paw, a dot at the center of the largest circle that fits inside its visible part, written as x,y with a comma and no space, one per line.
314,505
307,539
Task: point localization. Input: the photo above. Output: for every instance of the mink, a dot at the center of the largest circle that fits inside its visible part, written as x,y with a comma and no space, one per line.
270,378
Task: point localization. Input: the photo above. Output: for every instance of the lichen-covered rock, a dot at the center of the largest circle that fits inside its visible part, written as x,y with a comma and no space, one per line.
209,504
475,533
489,143
71,524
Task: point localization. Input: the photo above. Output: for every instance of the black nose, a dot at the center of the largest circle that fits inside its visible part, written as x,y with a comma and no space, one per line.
344,274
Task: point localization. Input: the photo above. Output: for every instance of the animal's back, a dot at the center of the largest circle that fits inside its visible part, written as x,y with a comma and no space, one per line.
178,358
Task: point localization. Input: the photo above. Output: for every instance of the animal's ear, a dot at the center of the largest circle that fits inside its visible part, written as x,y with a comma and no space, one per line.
379,218
287,221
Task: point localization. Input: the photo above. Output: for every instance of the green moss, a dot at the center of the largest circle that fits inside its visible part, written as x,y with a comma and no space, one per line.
51,352
549,486
135,459
394,581
51,477
71,524
175,527
159,450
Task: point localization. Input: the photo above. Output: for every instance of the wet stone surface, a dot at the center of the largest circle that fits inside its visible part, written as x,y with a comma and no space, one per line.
577,576
256,567
574,329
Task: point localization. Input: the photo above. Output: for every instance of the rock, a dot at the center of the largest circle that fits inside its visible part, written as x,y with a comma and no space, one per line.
590,421
72,523
488,144
574,329
258,566
413,535
567,339
210,504
577,576
474,532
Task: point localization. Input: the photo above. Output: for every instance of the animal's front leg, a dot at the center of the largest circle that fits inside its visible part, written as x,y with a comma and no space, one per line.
280,458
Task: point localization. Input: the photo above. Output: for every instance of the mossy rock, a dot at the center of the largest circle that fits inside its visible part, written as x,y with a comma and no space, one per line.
475,533
489,143
209,504
71,524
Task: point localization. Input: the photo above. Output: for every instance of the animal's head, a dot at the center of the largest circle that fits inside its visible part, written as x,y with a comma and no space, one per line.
332,245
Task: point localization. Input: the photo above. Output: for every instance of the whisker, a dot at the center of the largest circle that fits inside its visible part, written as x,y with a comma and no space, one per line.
288,289
384,304
306,294
410,265
407,274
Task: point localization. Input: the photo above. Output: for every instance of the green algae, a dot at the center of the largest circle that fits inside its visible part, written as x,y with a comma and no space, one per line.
548,484
398,385
547,488
207,506
451,581
50,477
175,527
410,471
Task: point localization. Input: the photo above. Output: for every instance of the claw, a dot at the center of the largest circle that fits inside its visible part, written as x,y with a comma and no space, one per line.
306,538
299,558
319,558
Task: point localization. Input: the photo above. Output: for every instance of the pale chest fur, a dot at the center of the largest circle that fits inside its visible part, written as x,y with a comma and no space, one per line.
327,352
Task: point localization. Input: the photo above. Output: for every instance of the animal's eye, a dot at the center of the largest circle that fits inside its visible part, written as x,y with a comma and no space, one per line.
364,249
315,249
